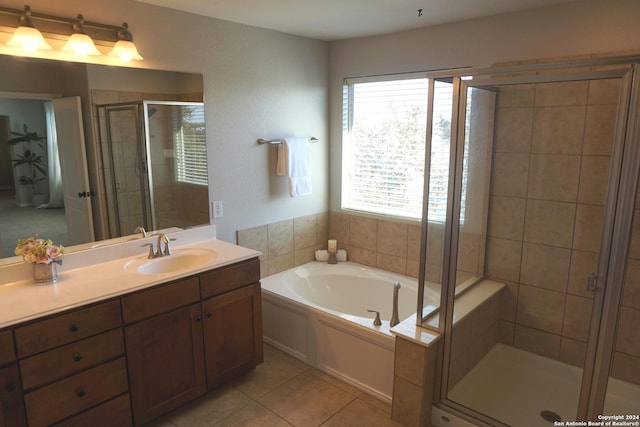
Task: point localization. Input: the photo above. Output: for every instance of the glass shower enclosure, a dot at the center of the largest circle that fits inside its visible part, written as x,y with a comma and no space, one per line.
541,188
154,164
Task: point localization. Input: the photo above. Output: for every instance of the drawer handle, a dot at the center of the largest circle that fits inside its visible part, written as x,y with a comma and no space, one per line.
209,314
81,393
77,357
198,318
11,386
74,328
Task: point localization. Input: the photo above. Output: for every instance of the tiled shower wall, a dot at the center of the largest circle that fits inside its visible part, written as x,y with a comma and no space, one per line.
551,163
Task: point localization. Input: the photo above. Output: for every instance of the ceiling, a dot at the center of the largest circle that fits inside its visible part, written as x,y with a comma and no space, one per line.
332,20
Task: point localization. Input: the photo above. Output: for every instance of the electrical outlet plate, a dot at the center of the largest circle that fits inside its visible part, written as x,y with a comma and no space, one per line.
217,209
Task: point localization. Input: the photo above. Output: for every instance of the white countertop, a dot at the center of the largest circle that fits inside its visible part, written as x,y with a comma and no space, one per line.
100,274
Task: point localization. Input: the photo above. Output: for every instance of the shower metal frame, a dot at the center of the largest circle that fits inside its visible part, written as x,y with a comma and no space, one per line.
143,136
619,209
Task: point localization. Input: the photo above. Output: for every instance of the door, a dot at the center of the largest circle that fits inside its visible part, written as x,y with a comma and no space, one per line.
560,148
232,333
11,403
73,161
165,360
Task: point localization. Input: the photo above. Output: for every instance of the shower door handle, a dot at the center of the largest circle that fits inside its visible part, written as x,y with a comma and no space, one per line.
592,283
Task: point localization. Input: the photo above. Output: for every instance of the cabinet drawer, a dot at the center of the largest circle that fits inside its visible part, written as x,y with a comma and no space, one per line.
230,277
64,398
116,412
65,328
71,358
160,299
6,348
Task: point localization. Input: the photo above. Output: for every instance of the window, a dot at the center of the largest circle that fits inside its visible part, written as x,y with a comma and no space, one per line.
384,131
190,144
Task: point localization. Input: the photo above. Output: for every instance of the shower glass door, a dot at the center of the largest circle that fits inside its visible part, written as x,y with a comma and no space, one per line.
552,146
124,168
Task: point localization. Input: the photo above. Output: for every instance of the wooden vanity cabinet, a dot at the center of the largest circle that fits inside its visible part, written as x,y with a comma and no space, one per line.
232,321
165,353
11,404
72,364
131,359
191,335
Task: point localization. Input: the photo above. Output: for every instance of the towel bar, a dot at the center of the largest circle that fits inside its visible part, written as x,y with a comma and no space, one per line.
277,141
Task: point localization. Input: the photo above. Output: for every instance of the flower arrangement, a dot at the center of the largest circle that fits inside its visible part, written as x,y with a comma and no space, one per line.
39,251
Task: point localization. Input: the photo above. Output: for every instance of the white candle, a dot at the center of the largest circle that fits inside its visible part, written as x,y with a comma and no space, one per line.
332,246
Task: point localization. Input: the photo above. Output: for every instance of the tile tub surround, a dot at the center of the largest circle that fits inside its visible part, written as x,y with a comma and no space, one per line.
387,244
551,164
286,244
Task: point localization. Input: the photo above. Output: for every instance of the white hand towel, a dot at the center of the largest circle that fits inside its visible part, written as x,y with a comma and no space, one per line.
294,161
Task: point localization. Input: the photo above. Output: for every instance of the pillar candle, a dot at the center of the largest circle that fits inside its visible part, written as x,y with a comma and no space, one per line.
332,246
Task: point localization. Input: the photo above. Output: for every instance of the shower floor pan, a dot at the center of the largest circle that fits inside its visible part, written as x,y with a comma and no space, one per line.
515,387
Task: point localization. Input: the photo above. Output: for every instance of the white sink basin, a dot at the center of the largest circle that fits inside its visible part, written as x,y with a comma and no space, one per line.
179,260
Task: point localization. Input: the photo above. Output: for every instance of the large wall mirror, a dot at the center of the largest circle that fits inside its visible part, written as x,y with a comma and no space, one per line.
91,152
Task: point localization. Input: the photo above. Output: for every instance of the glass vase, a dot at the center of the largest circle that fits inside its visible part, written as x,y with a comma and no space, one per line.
43,273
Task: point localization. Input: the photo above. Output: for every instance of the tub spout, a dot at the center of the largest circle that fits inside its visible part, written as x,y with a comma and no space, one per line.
395,319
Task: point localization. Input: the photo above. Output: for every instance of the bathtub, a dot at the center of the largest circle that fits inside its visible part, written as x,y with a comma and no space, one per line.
318,313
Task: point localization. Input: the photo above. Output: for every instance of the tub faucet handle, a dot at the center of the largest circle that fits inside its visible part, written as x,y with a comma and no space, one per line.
376,321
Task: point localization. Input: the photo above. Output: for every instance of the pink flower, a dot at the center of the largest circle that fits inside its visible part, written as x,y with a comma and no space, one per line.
41,251
55,253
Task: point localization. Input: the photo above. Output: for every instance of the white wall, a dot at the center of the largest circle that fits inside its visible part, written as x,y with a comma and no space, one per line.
257,84
582,27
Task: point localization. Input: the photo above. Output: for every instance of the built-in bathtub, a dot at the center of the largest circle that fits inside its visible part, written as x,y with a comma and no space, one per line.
318,313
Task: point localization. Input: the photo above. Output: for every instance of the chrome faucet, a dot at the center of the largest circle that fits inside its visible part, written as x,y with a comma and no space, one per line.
162,238
160,252
395,319
140,229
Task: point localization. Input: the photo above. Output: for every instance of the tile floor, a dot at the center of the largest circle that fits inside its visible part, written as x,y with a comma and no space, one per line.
283,391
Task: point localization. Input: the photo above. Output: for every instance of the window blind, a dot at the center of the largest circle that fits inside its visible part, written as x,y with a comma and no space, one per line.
384,146
190,145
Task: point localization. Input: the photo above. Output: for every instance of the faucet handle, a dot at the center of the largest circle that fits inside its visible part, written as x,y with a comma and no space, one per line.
376,321
167,249
151,254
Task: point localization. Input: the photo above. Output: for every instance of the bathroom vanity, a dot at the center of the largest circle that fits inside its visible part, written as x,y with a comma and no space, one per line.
162,340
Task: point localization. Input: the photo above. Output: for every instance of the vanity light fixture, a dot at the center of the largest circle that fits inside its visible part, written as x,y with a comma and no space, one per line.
80,42
27,36
81,36
124,47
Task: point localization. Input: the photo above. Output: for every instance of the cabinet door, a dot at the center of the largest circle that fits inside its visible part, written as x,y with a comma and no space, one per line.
11,406
166,362
232,333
